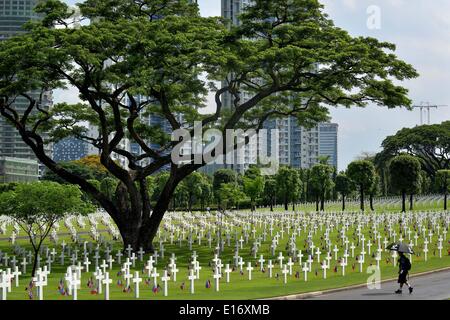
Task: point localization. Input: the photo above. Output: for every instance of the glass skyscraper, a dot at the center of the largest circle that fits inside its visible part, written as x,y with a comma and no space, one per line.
69,149
13,15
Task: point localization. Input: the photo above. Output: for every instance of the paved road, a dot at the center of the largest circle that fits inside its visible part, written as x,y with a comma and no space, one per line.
434,286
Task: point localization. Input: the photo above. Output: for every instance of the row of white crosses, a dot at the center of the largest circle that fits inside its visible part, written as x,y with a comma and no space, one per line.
287,268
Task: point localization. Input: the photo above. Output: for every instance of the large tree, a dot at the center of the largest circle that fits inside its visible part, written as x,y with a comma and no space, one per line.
138,57
362,173
405,176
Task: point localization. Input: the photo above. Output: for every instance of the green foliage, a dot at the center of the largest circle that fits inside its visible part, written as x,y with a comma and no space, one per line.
198,188
75,168
166,54
443,180
270,190
429,143
36,206
160,181
405,174
222,176
321,182
362,173
320,179
5,187
253,188
42,200
108,186
252,172
344,185
289,185
230,195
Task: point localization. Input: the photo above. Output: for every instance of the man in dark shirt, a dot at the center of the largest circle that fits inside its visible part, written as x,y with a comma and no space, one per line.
404,267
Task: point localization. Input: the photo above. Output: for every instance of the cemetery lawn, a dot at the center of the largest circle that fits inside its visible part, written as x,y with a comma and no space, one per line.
239,287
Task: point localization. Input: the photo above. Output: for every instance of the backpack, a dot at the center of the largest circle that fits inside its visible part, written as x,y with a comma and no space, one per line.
407,265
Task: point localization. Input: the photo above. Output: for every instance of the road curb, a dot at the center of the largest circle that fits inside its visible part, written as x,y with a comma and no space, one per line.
307,295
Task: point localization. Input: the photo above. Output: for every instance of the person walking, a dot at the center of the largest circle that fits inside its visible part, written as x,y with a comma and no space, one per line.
404,267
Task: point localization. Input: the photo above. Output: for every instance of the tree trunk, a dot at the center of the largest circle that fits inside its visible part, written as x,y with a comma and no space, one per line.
411,202
317,204
137,227
403,201
322,202
343,202
271,205
293,205
286,203
371,202
361,190
445,201
33,271
190,202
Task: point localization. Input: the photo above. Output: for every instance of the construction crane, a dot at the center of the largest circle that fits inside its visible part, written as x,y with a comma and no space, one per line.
427,106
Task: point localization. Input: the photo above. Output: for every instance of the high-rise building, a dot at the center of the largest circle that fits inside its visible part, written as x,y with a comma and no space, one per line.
299,147
328,142
69,149
18,170
13,15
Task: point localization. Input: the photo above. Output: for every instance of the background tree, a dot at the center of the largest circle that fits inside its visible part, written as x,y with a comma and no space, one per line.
5,187
270,191
405,176
288,186
374,190
230,194
321,182
77,169
124,51
443,182
253,188
429,143
181,196
362,173
93,163
222,176
108,187
206,194
344,186
36,206
193,184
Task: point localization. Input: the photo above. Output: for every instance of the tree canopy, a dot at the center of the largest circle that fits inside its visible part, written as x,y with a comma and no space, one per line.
405,176
362,173
136,58
429,143
37,206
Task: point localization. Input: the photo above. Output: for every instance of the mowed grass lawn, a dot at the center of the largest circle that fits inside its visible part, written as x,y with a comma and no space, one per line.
239,287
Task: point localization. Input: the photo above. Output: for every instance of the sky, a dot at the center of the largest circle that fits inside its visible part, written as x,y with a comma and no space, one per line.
421,31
